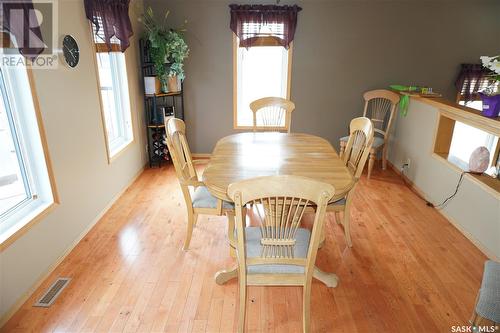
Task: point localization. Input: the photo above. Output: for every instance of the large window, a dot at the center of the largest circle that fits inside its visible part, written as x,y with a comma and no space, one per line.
260,71
115,100
26,187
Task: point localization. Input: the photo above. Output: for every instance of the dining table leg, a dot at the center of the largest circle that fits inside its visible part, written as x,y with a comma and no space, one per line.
225,275
329,279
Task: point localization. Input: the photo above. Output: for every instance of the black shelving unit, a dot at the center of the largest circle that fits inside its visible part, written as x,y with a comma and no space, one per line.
157,107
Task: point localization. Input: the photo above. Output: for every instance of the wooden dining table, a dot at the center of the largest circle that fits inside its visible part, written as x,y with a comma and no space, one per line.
248,155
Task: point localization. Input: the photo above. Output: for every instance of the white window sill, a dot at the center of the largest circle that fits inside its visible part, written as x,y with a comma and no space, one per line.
117,148
15,226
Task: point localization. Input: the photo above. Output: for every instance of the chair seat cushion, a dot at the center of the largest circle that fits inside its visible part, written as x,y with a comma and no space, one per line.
377,141
203,199
340,202
488,304
254,250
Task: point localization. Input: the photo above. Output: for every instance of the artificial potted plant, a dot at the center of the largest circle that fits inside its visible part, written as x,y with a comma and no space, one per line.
167,50
490,95
177,51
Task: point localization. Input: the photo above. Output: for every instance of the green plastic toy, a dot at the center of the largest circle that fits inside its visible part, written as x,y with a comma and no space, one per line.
404,102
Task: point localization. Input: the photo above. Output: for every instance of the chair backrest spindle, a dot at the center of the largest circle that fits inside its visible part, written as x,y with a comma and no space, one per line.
380,106
272,114
281,202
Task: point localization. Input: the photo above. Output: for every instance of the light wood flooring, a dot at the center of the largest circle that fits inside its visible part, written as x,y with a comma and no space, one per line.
409,270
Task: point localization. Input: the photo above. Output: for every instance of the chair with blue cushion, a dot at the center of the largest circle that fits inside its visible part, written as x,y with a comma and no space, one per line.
354,155
380,106
197,197
274,249
487,311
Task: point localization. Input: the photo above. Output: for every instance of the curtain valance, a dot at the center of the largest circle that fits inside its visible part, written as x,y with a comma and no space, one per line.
111,19
251,22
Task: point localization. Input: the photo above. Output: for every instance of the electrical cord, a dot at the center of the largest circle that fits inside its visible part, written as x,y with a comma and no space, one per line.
427,202
443,204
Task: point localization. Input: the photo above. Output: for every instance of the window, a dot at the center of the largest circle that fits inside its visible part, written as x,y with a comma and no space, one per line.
260,71
26,187
113,88
465,139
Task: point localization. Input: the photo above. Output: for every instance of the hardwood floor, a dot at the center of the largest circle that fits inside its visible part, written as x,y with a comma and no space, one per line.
409,271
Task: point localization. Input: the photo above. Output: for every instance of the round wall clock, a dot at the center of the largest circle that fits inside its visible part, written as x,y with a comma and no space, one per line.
71,51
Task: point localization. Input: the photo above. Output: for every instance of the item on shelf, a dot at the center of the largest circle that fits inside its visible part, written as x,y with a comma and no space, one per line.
168,111
491,105
479,160
151,85
407,91
174,84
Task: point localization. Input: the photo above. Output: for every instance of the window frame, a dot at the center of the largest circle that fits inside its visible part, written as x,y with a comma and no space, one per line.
263,41
101,48
448,114
31,218
496,151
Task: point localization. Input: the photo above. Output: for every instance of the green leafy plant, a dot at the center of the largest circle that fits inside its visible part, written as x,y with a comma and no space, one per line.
168,48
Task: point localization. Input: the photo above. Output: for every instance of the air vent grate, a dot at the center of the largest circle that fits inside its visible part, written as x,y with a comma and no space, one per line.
51,294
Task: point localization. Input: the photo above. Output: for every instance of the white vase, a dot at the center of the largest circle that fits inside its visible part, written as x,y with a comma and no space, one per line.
150,85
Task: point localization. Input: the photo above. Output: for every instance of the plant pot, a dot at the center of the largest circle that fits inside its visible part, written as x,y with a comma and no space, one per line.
491,105
164,87
173,84
152,85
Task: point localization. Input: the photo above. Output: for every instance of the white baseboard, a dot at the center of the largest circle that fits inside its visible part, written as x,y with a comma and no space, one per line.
13,309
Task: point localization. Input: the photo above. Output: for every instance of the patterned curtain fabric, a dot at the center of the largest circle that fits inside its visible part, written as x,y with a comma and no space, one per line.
250,22
472,79
110,18
19,19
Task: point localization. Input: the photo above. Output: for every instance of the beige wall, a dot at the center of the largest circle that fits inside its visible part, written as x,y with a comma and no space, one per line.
342,48
69,103
475,210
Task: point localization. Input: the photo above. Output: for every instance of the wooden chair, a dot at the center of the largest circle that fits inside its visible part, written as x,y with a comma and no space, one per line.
198,199
272,114
278,251
354,155
380,106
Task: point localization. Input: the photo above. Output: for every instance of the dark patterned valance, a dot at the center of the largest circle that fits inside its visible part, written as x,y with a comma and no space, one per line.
251,22
110,18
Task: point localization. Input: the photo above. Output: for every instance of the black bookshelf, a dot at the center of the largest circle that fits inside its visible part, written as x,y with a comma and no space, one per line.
157,107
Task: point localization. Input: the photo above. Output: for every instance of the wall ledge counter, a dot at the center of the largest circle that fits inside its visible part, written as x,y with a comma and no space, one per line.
463,114
475,210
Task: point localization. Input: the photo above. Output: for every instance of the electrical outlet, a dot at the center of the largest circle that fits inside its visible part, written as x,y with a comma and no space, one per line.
408,163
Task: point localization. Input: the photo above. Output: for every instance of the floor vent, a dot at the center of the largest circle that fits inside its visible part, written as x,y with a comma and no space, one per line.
51,294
